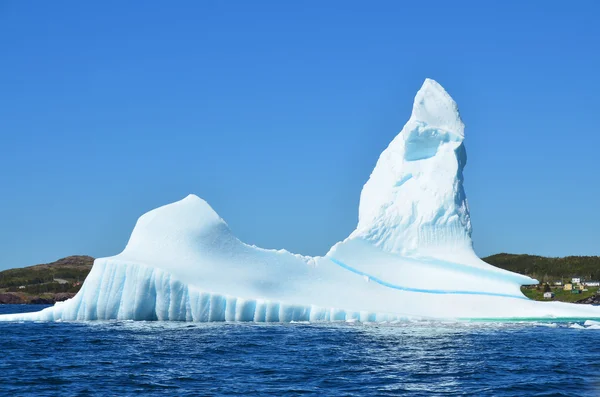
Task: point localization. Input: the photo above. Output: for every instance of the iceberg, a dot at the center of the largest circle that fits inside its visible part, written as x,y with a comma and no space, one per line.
410,257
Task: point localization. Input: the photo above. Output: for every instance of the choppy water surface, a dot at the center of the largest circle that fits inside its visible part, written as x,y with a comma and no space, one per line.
422,358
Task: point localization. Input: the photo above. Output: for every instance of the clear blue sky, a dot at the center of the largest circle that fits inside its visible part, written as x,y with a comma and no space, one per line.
276,112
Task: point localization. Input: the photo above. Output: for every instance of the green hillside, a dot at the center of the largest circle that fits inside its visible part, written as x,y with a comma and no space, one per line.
40,283
548,269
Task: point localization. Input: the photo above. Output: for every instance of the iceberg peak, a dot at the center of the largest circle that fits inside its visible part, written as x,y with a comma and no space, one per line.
177,229
414,202
191,198
436,108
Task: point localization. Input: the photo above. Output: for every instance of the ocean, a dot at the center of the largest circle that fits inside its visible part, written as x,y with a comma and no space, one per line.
322,359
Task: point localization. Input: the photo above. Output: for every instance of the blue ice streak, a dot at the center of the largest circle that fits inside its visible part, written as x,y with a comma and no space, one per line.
425,291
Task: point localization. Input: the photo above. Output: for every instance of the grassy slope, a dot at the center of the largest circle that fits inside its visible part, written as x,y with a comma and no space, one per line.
549,269
559,294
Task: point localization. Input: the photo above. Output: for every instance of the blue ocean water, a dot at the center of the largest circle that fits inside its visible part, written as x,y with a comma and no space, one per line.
334,359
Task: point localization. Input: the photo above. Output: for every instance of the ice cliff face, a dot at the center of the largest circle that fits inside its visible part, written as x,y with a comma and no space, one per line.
410,256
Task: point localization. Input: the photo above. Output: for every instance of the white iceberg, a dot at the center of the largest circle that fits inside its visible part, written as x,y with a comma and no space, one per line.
411,255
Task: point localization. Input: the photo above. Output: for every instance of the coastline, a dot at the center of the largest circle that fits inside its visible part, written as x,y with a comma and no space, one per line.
16,298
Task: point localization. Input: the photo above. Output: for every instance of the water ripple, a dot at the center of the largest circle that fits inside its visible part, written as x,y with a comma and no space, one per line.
334,359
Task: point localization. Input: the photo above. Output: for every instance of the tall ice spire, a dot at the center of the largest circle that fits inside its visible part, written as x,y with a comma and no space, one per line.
414,201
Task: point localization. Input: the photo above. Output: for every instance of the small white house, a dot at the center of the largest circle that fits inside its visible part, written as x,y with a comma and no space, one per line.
576,280
548,295
592,283
558,283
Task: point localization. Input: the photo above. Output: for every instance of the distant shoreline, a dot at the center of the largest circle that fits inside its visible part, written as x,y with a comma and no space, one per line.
46,283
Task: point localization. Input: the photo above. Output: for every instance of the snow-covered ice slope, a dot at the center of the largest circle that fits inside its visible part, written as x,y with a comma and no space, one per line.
411,255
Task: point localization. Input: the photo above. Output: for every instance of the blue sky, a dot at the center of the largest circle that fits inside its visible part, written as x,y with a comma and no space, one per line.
276,112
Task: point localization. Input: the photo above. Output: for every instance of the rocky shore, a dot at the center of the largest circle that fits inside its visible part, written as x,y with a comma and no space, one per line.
592,300
44,299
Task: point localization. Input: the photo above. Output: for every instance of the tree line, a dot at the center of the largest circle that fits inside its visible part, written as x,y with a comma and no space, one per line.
548,269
